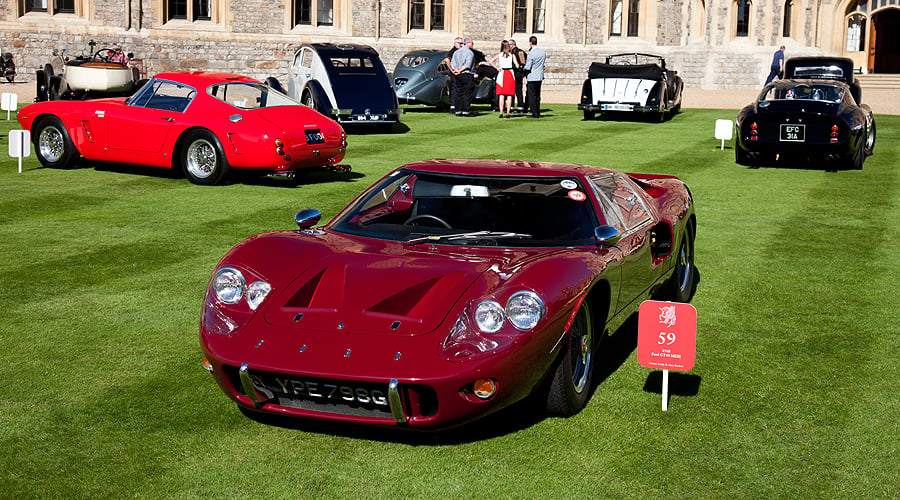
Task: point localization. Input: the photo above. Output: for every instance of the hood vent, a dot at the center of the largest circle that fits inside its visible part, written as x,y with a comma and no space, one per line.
304,295
402,303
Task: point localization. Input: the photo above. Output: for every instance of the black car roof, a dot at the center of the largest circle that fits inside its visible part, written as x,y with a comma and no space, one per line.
343,49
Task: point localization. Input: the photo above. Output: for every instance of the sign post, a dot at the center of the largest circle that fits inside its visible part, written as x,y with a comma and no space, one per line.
667,339
9,102
724,129
19,145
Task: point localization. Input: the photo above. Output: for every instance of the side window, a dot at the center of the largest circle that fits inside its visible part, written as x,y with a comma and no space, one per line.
167,96
621,201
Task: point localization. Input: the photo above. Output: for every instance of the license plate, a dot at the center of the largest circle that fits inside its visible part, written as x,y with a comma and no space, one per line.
793,132
617,107
332,396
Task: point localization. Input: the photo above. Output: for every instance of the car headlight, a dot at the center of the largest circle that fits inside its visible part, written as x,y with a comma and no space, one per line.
229,285
256,293
489,316
524,309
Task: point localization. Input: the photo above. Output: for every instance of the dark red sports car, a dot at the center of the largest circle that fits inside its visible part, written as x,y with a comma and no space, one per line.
446,291
201,122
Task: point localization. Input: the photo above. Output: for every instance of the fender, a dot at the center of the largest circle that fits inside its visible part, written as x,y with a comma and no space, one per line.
320,101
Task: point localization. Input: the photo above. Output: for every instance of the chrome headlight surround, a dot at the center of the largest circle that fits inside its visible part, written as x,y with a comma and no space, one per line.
229,285
524,310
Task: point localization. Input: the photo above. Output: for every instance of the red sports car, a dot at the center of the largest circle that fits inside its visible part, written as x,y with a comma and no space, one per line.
204,123
446,291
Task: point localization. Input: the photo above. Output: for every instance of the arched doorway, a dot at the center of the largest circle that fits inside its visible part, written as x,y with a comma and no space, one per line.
884,41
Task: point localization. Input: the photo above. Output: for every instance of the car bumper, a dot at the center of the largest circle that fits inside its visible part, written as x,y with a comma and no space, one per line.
396,381
610,107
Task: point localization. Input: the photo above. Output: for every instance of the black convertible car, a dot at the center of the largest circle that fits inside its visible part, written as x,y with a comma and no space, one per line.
631,83
814,114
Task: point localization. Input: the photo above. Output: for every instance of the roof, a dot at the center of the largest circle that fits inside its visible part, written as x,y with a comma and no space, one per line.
202,79
342,49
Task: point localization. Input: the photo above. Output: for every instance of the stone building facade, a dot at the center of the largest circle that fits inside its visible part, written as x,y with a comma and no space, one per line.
716,44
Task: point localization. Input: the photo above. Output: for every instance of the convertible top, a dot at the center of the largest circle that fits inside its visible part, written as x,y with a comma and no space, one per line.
642,71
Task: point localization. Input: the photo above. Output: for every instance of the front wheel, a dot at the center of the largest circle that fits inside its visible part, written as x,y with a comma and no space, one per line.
870,140
52,144
571,384
202,158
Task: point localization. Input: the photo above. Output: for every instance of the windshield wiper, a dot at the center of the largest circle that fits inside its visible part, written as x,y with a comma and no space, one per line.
477,235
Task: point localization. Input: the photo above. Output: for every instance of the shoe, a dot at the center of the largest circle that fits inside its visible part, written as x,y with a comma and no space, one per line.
500,115
532,116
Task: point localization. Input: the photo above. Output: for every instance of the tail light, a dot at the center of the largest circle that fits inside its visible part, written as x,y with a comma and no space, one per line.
754,133
834,134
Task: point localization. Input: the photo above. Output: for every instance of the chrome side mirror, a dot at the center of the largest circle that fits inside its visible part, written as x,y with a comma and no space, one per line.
607,235
307,218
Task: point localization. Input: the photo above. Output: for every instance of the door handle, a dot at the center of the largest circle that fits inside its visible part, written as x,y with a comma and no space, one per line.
168,119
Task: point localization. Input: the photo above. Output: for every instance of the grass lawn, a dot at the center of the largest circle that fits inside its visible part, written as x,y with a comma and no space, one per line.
794,392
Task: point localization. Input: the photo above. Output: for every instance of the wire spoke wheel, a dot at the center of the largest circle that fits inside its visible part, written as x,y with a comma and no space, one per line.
201,159
51,144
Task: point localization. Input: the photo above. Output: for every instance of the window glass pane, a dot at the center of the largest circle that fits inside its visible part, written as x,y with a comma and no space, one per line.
202,10
64,6
520,16
437,14
786,31
615,23
35,5
743,18
539,11
856,33
325,12
417,14
634,7
177,9
303,12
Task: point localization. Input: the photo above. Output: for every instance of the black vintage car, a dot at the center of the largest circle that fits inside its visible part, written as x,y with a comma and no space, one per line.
423,77
631,83
813,115
346,82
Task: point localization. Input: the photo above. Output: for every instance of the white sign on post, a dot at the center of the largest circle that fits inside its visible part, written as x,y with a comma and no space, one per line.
724,129
10,102
19,145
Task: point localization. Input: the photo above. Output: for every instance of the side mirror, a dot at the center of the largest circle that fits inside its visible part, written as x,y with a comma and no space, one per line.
307,218
607,235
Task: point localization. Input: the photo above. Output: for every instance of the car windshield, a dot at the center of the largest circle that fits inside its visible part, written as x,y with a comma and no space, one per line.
813,92
425,207
250,95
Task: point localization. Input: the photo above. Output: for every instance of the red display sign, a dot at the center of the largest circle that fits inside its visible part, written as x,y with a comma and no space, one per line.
667,335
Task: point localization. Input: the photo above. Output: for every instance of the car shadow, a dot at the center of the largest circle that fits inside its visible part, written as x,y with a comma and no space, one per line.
376,129
801,162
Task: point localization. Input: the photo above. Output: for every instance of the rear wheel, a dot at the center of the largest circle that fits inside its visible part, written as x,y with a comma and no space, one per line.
571,384
202,158
589,115
858,157
52,144
870,140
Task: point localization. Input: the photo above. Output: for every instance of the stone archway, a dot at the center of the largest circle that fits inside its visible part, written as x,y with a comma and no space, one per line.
884,41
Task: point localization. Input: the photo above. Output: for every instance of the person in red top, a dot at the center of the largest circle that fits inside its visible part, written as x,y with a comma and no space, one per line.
504,62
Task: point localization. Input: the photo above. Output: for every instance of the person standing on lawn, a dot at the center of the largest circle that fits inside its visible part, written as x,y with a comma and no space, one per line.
461,66
534,76
504,62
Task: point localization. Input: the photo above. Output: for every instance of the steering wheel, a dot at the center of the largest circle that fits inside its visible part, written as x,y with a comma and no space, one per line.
104,55
426,217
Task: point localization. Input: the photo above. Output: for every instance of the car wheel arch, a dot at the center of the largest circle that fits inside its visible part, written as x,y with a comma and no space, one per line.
183,142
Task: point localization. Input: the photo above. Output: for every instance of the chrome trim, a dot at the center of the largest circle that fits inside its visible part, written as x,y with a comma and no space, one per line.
248,385
395,402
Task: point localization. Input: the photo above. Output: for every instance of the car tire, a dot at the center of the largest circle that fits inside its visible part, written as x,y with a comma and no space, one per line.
52,144
870,140
203,159
589,115
741,157
572,380
683,282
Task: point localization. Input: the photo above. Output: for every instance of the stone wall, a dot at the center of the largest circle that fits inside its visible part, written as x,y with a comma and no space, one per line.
253,39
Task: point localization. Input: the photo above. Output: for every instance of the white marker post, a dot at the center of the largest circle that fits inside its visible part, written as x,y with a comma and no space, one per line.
10,102
724,129
19,145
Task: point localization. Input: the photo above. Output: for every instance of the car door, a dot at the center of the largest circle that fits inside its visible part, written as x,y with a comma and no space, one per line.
153,111
300,71
629,214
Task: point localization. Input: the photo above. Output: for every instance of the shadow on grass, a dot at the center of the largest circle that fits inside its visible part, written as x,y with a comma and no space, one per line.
309,176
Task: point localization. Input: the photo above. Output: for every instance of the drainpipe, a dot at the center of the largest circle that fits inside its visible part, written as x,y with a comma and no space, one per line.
584,23
127,15
377,19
